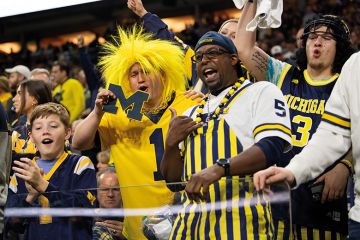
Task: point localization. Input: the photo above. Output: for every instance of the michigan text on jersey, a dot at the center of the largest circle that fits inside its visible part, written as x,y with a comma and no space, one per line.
305,105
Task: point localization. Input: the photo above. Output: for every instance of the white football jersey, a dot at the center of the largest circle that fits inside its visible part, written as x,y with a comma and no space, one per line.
259,111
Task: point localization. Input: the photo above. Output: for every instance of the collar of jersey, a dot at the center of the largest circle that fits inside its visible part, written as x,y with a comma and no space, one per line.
322,82
55,167
155,117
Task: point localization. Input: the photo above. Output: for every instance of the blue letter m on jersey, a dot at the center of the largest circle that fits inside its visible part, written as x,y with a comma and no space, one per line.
132,105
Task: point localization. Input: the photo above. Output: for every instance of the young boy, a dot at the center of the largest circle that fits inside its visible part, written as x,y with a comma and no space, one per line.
53,180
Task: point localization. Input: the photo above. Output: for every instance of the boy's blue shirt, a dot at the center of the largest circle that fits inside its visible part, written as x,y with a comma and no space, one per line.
72,183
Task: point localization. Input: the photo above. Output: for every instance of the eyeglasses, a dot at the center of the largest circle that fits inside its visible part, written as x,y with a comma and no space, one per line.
325,35
210,54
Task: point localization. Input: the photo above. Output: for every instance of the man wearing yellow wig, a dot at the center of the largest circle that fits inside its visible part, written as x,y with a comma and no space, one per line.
137,62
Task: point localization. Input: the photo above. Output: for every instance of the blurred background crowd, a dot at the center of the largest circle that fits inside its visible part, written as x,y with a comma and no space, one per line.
34,51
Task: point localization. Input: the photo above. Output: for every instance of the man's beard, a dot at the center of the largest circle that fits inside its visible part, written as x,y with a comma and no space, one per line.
317,66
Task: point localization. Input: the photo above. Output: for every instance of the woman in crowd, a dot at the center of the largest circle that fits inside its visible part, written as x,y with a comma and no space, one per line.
29,94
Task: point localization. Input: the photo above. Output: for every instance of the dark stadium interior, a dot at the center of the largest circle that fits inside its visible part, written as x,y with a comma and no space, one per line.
88,16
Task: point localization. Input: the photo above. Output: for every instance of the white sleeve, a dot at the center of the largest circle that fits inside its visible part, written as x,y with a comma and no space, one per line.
324,148
333,136
271,114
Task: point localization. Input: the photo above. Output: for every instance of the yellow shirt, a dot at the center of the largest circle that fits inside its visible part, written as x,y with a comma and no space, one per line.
71,95
133,146
4,98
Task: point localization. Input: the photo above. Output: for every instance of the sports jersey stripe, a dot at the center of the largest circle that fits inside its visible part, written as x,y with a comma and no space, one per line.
218,211
311,82
226,140
62,158
215,154
248,214
255,217
209,223
327,235
192,151
242,216
280,234
264,215
13,183
222,212
185,171
222,130
198,143
200,226
187,155
283,75
236,95
202,154
203,225
219,128
337,116
271,127
336,120
188,220
217,150
265,209
287,230
182,227
303,232
322,235
226,152
234,207
316,233
177,223
195,219
83,164
228,210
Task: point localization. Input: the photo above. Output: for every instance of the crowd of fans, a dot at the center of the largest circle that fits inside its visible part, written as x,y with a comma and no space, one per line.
293,19
69,75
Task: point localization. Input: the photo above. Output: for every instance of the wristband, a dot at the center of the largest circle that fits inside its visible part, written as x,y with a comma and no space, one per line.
348,165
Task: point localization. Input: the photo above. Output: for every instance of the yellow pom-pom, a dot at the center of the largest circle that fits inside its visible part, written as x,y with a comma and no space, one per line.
200,110
231,91
203,102
198,120
242,79
237,84
224,100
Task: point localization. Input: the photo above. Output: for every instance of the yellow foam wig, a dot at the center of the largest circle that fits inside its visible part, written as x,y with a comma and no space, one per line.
157,57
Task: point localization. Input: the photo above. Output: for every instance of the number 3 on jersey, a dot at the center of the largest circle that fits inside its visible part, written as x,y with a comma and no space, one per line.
157,139
304,125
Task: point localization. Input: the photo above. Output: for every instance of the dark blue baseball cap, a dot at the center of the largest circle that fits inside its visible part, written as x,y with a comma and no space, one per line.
215,38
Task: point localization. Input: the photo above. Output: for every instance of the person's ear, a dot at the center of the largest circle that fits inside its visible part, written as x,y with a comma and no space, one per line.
30,137
67,133
34,102
234,59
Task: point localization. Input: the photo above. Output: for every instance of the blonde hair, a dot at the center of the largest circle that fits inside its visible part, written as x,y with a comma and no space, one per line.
235,20
156,57
103,156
